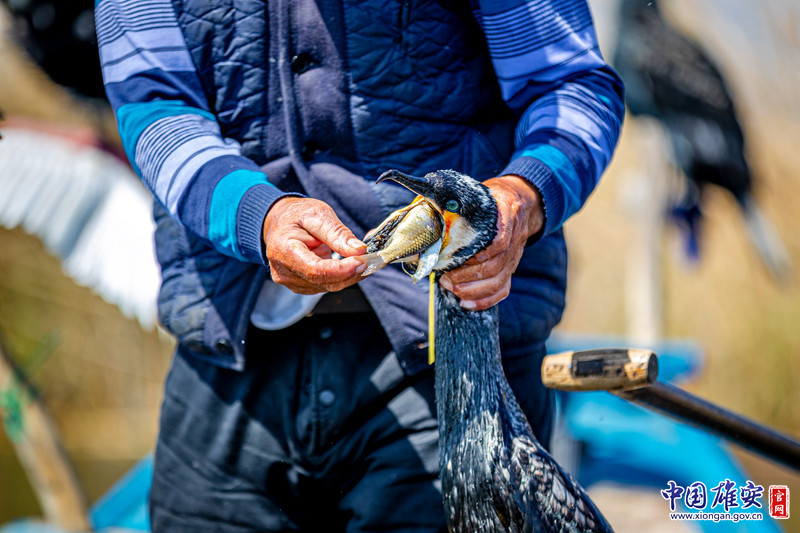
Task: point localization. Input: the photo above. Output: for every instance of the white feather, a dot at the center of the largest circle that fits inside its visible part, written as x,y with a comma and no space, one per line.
89,209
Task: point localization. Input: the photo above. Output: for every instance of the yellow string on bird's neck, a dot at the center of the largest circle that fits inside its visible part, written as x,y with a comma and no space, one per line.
432,321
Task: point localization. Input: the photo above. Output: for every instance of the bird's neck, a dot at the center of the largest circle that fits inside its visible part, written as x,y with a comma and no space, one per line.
469,376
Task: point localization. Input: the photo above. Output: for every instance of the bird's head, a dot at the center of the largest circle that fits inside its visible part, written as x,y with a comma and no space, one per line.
467,208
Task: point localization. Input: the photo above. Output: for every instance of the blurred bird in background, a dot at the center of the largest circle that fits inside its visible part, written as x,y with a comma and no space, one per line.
92,212
71,187
60,37
672,80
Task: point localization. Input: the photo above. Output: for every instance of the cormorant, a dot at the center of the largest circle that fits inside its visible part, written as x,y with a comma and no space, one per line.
495,475
60,37
671,79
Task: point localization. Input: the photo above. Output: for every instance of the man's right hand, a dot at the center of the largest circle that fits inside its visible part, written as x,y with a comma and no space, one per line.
299,234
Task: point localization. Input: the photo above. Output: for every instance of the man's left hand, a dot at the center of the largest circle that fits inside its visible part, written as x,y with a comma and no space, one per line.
485,279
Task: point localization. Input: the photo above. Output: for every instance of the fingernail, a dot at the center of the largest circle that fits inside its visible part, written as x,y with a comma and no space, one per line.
361,268
355,243
468,304
444,282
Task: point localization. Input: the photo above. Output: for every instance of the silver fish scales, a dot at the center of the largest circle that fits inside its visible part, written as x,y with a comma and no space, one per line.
403,235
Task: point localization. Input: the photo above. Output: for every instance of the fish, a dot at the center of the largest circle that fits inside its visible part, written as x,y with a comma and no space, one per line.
427,261
406,235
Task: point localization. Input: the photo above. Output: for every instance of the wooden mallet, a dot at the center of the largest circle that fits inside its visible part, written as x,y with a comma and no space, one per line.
632,374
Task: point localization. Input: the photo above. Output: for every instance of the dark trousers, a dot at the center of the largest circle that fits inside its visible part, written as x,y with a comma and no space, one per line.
322,433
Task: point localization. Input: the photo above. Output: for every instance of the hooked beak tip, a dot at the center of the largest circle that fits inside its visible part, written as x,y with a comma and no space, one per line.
390,175
416,184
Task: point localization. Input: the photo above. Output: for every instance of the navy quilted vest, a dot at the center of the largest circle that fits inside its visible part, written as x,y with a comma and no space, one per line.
327,94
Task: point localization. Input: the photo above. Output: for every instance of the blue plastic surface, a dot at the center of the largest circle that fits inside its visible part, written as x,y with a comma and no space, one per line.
627,444
125,504
620,443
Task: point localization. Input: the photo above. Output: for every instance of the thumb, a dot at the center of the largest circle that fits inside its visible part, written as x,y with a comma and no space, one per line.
327,227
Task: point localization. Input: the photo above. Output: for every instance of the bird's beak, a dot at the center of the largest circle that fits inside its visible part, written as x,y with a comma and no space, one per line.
421,186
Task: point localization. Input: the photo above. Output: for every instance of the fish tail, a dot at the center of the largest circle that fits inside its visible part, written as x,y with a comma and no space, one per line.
374,262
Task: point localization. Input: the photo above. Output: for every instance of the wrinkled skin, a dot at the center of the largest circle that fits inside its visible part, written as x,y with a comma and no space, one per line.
300,233
485,279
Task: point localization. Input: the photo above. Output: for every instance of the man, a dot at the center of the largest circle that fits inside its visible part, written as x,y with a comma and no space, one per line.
261,128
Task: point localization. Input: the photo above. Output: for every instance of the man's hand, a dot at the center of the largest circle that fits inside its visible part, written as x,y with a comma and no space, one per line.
299,234
485,279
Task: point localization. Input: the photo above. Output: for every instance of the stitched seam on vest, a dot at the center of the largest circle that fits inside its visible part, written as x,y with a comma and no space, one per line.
360,168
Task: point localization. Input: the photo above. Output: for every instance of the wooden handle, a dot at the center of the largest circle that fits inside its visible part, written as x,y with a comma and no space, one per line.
631,374
39,450
607,369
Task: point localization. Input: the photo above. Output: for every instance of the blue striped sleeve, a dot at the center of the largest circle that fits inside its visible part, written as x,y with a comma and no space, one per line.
568,100
170,135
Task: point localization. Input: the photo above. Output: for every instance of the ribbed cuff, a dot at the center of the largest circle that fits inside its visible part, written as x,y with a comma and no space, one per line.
544,179
253,208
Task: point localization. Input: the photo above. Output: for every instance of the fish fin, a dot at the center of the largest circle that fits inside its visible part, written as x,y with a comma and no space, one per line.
374,263
371,233
427,260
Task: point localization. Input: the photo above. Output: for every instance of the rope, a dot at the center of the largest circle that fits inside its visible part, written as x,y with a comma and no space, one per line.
16,397
12,405
432,320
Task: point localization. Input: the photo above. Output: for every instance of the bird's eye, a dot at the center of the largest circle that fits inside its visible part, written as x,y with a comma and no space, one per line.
452,205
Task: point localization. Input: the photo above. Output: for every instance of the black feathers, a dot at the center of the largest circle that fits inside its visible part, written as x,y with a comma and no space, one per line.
496,477
475,204
59,36
670,78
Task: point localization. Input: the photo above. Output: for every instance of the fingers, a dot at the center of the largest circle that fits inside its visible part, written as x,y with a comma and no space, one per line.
480,295
327,227
488,267
485,279
298,284
294,282
311,268
481,292
299,234
484,275
300,269
323,251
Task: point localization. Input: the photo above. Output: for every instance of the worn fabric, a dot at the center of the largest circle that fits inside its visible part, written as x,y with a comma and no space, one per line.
329,93
331,436
417,75
224,107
